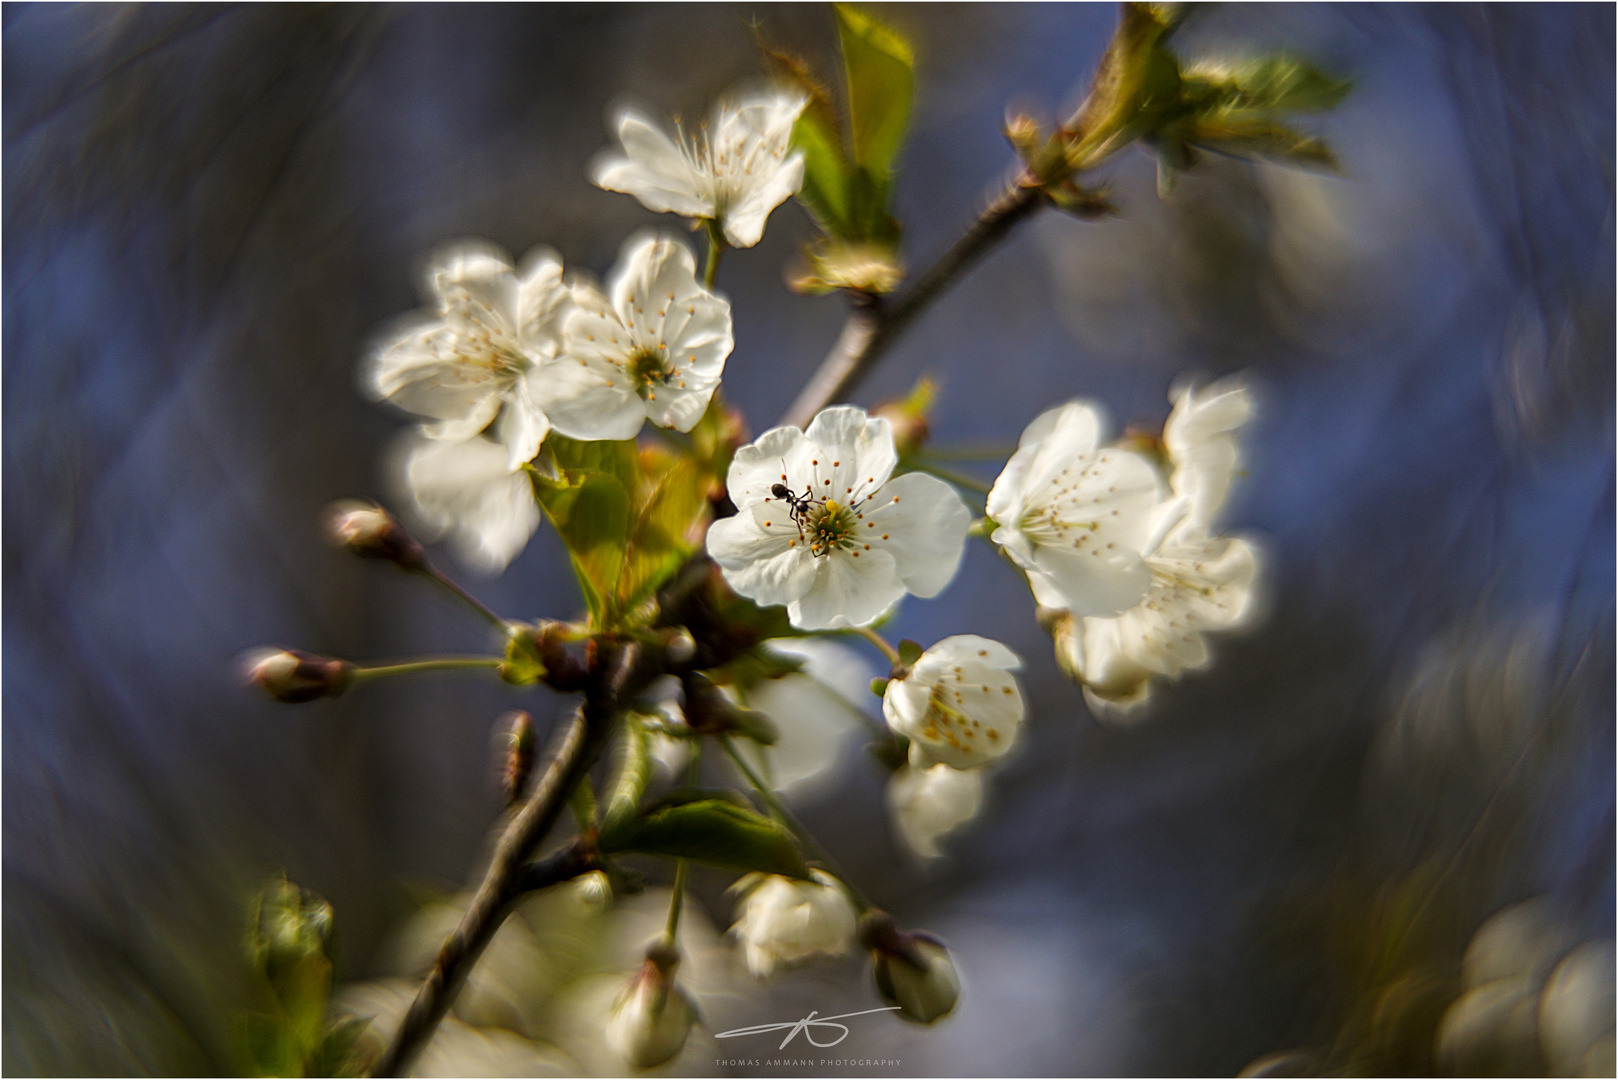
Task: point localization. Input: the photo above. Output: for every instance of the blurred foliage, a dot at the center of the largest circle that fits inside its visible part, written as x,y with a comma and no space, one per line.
625,514
848,178
287,941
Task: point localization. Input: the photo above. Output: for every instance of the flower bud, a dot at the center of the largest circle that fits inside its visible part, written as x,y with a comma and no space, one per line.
680,647
652,1017
908,417
372,533
294,676
536,653
913,970
783,921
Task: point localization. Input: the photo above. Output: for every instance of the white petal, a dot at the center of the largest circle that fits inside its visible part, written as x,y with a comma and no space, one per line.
542,302
478,272
861,450
763,463
744,219
420,373
1088,583
521,428
652,169
766,564
653,269
922,522
972,649
467,490
928,803
849,589
588,399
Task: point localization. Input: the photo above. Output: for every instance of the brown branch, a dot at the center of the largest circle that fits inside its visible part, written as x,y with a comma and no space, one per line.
874,324
509,874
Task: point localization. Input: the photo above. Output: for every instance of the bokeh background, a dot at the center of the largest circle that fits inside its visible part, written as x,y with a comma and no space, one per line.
209,210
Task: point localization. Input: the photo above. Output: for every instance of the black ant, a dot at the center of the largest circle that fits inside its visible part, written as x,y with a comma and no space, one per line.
799,504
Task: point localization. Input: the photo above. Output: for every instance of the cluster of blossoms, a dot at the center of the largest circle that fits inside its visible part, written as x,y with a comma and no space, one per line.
1118,540
508,355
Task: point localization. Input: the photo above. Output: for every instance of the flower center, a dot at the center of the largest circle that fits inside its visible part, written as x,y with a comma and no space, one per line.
648,370
829,526
947,723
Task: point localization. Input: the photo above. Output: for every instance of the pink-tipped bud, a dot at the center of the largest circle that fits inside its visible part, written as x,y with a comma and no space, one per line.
912,970
372,533
652,1017
294,676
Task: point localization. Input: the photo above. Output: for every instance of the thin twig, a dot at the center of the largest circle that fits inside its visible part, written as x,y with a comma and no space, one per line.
873,324
501,884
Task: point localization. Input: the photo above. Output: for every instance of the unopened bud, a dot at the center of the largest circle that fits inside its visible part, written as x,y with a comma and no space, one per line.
1022,132
594,889
372,533
652,1017
912,970
680,646
520,754
294,676
908,417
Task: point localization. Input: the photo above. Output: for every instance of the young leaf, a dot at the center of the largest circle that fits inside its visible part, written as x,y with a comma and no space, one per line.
659,536
881,68
715,832
593,520
824,192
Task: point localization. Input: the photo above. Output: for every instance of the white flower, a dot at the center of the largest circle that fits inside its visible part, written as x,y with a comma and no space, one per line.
823,526
929,802
652,348
1199,439
959,705
470,491
1198,583
1075,515
651,1019
476,359
783,921
735,172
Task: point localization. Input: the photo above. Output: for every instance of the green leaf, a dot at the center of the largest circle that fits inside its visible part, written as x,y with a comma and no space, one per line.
825,188
1280,83
634,772
718,833
590,508
659,539
881,69
1256,136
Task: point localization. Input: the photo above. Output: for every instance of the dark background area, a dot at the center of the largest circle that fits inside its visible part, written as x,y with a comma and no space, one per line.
209,210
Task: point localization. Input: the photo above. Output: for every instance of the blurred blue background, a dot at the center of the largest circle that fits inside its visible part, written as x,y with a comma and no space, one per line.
208,210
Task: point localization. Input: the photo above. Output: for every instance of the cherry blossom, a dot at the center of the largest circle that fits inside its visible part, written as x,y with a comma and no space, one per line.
823,527
733,171
652,347
1077,515
473,362
1198,584
959,704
